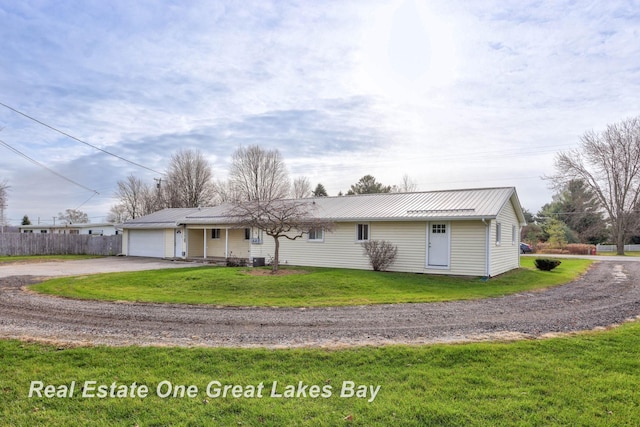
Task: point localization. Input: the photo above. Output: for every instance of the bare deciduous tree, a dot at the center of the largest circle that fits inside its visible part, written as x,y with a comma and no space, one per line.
291,219
406,186
4,189
189,181
258,174
136,198
609,164
74,216
301,188
118,214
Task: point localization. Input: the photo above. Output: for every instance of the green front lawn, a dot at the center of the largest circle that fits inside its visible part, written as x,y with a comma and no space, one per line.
309,287
586,380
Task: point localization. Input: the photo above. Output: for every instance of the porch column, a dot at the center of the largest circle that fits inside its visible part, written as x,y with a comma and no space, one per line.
226,242
205,243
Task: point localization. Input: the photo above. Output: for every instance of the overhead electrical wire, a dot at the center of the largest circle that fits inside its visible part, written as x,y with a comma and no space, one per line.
35,162
78,139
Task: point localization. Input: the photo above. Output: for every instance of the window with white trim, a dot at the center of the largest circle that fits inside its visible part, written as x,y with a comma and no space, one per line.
215,233
247,234
514,234
316,235
362,232
498,234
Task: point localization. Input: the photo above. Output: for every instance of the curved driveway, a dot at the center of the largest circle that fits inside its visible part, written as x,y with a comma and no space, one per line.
608,294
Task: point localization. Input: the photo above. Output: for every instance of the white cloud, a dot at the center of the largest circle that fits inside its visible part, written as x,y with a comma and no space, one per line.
454,93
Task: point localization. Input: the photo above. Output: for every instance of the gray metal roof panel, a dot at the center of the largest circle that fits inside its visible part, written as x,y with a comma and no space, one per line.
431,205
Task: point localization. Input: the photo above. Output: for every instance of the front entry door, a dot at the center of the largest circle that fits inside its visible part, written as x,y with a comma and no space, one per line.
177,244
438,241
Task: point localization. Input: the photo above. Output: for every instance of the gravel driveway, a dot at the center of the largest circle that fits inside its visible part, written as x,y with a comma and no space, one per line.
608,294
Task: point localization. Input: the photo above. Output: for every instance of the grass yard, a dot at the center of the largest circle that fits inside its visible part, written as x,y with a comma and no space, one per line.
586,380
43,258
311,287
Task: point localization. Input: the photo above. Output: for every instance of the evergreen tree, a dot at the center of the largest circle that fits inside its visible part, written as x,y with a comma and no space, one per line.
26,220
320,191
368,185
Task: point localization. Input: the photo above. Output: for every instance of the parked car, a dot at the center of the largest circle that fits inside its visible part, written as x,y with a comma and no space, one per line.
525,248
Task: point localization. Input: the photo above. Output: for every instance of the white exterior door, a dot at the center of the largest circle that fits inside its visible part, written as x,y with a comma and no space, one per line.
148,243
438,245
177,250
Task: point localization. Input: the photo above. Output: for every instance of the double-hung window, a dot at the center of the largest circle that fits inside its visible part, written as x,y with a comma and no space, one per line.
362,232
316,235
215,233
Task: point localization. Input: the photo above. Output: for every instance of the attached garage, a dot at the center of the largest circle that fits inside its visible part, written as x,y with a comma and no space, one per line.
149,243
156,235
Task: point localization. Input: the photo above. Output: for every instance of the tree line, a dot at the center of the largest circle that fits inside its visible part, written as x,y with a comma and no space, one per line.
255,174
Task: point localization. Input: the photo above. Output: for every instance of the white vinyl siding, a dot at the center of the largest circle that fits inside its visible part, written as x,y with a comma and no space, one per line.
505,257
468,248
339,249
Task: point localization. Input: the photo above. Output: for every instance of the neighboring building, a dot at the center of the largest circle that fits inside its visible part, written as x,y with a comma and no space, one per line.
472,232
97,229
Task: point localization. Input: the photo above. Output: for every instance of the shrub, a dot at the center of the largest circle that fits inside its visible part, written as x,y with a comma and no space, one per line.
546,264
234,261
381,253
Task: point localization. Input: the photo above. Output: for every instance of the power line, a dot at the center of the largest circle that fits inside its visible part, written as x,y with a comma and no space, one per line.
78,139
21,154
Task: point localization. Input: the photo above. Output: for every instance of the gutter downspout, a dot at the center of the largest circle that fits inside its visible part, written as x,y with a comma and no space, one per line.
226,242
487,259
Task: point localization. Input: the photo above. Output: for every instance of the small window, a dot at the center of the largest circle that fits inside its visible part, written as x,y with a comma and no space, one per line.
215,233
316,235
498,234
247,234
362,232
514,234
438,228
43,231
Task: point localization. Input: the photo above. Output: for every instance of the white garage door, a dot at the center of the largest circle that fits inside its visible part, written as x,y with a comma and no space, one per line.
146,243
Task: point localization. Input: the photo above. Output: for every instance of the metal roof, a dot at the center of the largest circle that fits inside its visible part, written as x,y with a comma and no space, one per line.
429,205
166,218
449,204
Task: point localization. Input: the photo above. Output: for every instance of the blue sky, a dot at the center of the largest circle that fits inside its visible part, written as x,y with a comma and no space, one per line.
454,93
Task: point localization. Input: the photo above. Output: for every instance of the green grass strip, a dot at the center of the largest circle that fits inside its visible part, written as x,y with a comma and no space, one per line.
586,380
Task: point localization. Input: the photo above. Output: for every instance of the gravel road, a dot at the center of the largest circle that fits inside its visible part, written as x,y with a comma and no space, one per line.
607,295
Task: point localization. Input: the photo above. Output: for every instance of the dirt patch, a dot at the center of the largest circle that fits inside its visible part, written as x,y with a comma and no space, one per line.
268,272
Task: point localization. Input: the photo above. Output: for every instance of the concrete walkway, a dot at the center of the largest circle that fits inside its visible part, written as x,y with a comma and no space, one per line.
90,266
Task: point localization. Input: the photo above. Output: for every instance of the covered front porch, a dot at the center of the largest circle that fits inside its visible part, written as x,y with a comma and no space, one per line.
218,242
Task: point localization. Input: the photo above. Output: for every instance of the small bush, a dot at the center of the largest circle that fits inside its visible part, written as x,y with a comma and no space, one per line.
546,264
234,261
381,253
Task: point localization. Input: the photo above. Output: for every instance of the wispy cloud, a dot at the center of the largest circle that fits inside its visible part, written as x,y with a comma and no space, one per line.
453,93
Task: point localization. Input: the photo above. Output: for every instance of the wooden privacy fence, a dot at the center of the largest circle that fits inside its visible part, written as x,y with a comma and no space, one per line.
16,244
